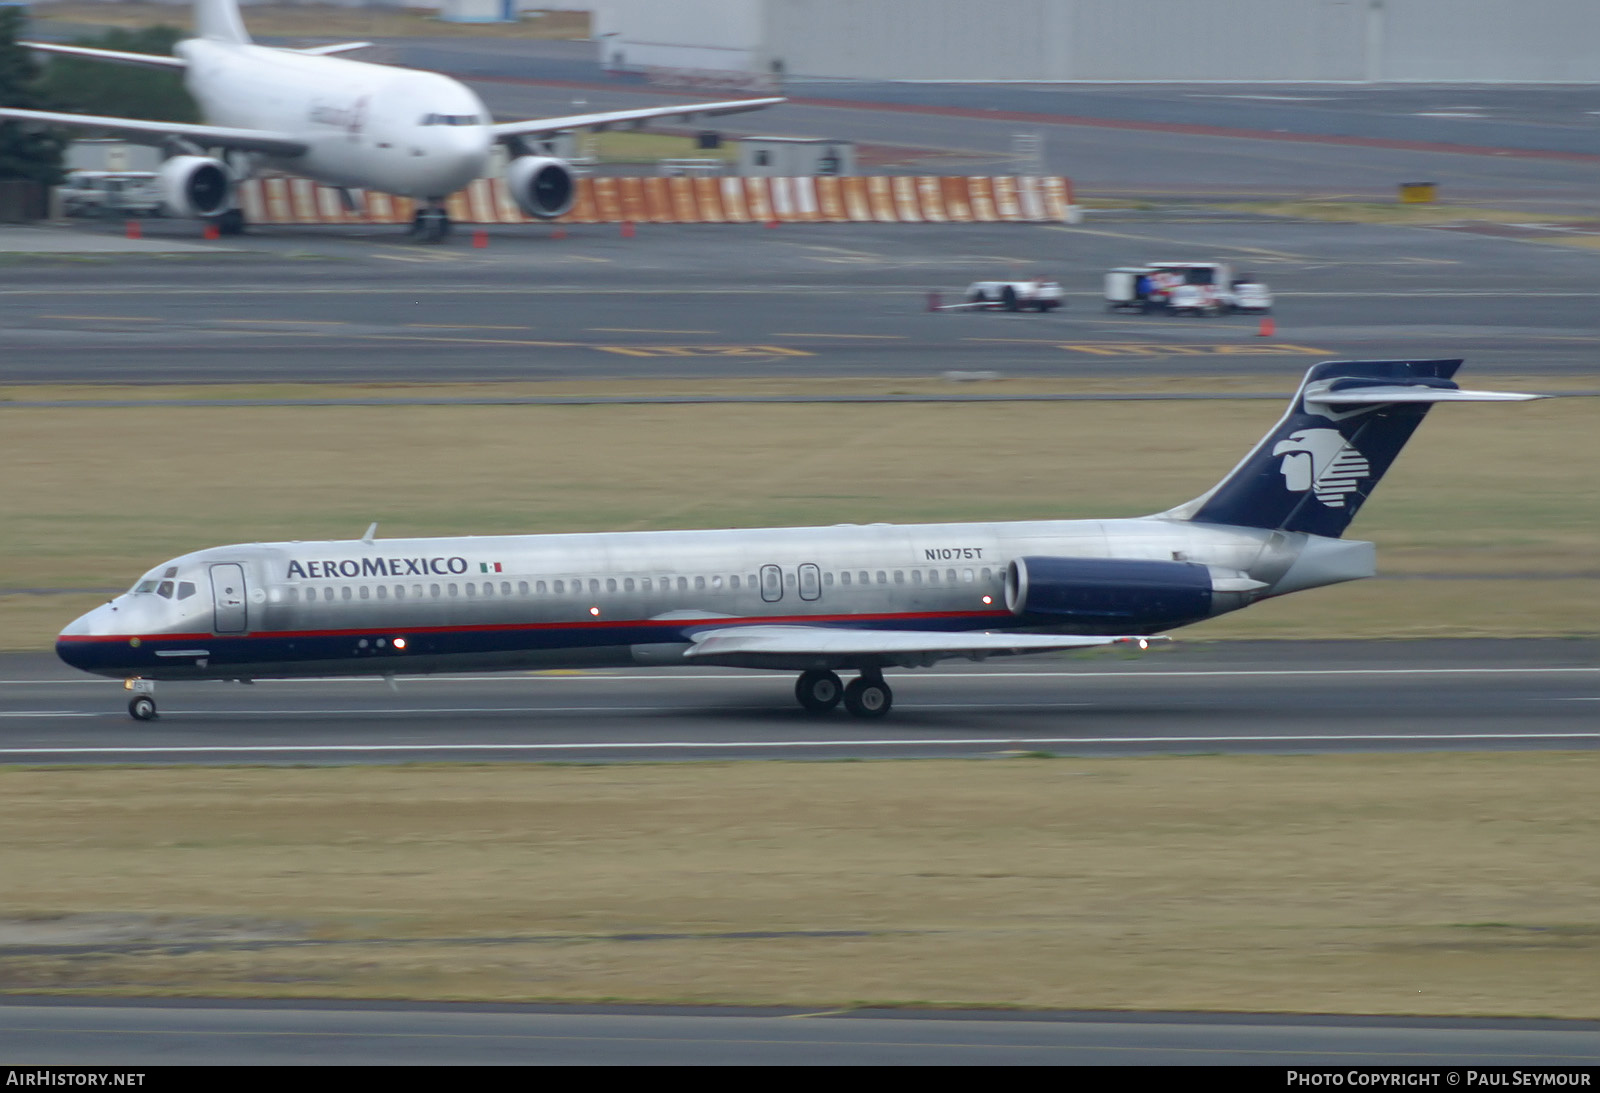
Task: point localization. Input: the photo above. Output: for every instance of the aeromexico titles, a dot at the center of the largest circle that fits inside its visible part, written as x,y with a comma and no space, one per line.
353,125
817,601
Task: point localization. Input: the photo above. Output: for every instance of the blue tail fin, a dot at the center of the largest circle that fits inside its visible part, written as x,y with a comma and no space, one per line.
1344,428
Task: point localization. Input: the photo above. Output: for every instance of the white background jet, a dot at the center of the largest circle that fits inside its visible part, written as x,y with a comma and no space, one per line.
347,123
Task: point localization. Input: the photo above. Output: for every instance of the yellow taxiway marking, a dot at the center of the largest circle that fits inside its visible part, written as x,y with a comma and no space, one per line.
105,318
881,337
1023,341
1241,349
644,330
462,326
703,350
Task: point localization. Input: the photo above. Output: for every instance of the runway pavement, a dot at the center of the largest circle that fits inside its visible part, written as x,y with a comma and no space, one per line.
360,305
144,1033
1261,697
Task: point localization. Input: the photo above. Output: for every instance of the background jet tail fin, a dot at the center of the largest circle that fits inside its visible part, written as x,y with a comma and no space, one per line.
1343,429
219,21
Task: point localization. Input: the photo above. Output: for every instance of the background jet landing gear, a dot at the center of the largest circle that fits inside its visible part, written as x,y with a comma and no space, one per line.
431,224
869,696
142,706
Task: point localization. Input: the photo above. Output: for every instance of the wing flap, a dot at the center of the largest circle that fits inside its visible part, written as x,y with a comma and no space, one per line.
686,112
830,642
155,132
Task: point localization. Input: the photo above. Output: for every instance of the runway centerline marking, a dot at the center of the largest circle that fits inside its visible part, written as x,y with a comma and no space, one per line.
105,318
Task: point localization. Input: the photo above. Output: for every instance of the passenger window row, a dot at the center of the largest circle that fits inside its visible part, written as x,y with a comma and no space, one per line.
771,584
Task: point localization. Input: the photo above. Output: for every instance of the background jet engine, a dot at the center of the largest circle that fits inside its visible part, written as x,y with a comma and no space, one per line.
196,186
543,187
1109,595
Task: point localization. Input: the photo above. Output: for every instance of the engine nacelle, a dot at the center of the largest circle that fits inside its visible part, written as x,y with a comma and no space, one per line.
1109,595
542,186
196,186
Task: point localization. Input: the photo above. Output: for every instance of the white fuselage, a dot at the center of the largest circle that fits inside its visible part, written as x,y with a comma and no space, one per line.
486,602
396,130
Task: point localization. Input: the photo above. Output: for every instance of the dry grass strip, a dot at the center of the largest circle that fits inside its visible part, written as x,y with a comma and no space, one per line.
1443,884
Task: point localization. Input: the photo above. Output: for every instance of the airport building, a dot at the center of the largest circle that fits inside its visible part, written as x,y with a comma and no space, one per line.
1470,41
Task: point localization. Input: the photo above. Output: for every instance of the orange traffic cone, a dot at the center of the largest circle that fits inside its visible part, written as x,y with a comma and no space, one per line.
559,233
627,229
773,223
1268,327
480,239
211,231
133,229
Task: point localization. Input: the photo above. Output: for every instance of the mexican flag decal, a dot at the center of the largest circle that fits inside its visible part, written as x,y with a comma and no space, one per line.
489,567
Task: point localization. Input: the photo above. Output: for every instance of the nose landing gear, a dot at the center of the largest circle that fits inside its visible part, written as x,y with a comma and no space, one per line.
868,696
142,706
431,224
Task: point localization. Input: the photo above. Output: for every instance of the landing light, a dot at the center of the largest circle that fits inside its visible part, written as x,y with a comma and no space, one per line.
399,643
1143,644
988,599
594,611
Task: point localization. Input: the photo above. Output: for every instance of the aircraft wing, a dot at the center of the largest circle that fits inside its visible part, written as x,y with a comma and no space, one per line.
842,645
116,56
153,132
330,50
687,112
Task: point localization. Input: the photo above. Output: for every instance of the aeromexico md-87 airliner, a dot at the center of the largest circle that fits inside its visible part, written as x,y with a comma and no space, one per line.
348,123
811,600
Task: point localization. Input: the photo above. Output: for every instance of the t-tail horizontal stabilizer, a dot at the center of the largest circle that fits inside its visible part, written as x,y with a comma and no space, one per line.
1344,427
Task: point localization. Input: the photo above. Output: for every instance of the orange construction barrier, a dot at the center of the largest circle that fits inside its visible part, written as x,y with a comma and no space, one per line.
682,200
758,199
684,207
708,198
980,191
931,197
956,204
734,208
882,199
657,201
904,189
1005,198
857,205
830,201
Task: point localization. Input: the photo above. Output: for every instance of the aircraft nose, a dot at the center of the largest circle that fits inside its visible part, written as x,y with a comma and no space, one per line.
74,645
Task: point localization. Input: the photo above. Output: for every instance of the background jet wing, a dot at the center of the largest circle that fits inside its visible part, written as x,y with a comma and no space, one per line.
154,132
687,112
330,50
116,56
826,642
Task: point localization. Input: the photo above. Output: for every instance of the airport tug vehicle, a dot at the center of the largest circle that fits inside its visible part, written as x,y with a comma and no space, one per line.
814,600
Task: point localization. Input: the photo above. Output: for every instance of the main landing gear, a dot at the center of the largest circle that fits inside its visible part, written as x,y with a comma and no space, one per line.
142,706
431,224
867,696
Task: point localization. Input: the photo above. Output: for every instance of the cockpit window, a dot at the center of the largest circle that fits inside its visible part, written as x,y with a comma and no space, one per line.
172,571
185,589
451,119
145,586
165,590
